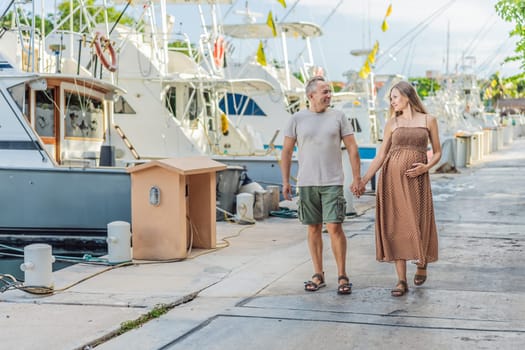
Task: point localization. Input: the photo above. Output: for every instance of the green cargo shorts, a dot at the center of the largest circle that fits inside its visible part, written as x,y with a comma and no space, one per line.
321,204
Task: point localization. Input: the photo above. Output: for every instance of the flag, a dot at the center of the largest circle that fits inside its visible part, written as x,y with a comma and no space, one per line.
371,57
366,67
375,48
261,57
363,74
282,2
384,26
388,10
271,23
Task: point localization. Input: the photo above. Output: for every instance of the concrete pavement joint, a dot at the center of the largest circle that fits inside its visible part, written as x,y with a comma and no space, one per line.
370,324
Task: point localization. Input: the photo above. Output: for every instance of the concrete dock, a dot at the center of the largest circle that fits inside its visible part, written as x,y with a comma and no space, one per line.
249,294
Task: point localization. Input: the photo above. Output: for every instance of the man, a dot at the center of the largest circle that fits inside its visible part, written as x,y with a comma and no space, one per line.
318,132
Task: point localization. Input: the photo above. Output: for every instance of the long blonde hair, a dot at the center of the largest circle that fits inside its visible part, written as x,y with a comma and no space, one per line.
406,89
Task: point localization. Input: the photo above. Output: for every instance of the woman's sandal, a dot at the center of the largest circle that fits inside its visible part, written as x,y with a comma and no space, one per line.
420,279
344,288
311,286
399,292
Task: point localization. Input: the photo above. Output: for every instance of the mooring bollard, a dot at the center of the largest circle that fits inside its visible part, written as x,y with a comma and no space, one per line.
119,242
37,266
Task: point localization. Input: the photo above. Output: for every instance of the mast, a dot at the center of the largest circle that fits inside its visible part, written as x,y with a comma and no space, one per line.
448,47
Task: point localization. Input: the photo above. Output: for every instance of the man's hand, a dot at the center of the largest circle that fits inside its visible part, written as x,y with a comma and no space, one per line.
287,191
356,188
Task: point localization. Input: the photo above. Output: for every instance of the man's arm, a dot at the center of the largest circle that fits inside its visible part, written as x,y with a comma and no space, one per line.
286,162
355,162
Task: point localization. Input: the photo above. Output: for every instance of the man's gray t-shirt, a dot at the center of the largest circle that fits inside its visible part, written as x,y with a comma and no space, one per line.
319,138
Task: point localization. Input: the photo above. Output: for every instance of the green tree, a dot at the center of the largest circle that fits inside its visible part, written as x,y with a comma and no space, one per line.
182,46
25,19
493,90
513,11
425,86
95,12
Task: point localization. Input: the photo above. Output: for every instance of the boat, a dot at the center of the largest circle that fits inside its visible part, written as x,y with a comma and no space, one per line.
53,128
175,105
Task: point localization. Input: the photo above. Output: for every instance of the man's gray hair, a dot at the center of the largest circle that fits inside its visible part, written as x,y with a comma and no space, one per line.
311,84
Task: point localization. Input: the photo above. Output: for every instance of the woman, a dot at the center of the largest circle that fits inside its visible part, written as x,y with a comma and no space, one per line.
405,224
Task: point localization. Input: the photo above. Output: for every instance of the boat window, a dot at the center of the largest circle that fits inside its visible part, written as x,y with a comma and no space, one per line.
239,104
121,106
84,116
294,104
18,92
171,101
45,112
193,103
207,102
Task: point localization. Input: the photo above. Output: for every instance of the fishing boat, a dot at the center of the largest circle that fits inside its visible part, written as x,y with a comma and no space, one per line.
53,128
177,99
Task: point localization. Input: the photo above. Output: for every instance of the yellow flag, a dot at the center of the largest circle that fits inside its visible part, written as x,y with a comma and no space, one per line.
261,57
271,23
375,48
371,57
282,2
388,10
366,67
363,74
384,26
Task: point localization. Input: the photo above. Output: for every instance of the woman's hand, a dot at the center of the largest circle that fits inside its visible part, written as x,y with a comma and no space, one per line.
416,170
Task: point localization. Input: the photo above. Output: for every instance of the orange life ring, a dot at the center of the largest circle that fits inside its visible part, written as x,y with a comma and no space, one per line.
218,52
99,38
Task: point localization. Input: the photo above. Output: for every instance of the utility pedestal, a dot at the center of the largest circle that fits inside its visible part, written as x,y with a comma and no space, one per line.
173,207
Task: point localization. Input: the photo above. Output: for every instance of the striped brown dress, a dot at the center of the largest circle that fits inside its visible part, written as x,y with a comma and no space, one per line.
405,223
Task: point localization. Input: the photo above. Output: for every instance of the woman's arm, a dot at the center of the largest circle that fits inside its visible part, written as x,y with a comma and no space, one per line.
381,154
418,169
435,142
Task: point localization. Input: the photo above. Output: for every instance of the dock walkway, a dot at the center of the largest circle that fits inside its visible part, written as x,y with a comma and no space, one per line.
249,295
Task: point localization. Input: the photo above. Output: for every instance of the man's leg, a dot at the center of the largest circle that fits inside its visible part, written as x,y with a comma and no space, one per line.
315,244
338,241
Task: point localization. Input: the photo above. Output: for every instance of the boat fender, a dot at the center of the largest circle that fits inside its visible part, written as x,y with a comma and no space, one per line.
218,52
99,39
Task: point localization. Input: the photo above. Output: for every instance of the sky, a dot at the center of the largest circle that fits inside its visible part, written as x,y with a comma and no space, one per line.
420,33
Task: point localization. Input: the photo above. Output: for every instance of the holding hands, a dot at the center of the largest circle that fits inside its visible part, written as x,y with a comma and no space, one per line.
358,188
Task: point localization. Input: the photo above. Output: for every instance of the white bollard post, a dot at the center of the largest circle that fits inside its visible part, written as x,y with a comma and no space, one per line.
37,266
119,242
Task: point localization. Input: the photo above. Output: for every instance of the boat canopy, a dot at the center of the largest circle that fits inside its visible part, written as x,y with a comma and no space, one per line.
247,86
263,30
90,82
